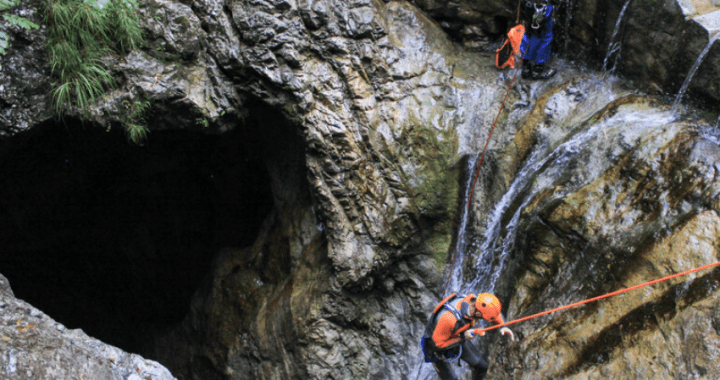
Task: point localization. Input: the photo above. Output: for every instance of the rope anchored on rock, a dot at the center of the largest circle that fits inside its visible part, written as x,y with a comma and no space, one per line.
482,331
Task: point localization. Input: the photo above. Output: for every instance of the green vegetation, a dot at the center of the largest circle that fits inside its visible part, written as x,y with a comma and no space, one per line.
12,20
202,122
135,124
80,33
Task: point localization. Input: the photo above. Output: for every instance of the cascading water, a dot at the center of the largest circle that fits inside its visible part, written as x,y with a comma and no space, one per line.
461,243
582,134
486,272
485,254
492,250
542,171
614,46
693,69
427,371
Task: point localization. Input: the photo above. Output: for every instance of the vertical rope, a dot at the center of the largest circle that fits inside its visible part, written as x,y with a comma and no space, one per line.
472,189
477,172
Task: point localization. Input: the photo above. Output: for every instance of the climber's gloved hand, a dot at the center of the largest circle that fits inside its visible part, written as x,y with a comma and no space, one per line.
505,330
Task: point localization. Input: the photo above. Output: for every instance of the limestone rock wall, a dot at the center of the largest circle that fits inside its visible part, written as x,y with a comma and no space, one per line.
374,108
638,203
34,346
658,41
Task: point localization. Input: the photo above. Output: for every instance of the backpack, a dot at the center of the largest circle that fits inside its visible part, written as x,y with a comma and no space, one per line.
432,352
505,56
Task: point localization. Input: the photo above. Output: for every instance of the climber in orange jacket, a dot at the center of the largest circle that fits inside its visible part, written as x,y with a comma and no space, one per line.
449,332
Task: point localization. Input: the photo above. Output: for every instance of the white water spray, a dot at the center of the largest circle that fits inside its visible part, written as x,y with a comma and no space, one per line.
461,244
693,69
426,371
541,171
491,264
614,46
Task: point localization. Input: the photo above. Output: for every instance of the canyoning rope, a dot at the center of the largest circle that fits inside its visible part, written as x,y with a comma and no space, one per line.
607,295
477,172
482,330
482,156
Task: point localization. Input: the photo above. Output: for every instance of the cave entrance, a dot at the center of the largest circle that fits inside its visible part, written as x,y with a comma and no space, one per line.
114,238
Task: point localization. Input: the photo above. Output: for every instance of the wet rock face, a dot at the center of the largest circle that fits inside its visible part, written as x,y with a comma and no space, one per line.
362,111
475,23
24,77
642,205
659,57
34,346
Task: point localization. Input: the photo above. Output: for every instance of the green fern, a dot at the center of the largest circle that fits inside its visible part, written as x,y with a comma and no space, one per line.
7,4
137,133
80,32
134,125
124,24
13,20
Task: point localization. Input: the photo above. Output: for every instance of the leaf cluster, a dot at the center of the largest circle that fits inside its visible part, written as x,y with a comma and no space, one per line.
135,124
12,20
80,33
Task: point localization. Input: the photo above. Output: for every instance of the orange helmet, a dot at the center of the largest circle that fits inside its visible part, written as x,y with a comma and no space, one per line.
489,306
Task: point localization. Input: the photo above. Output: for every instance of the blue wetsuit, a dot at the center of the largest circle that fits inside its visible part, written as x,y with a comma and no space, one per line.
535,44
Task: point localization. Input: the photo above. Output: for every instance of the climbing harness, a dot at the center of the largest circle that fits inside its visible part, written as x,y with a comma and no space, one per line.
447,356
539,15
483,330
430,348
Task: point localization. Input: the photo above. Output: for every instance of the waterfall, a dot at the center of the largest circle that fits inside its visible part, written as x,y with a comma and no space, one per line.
426,371
493,256
487,273
556,153
614,47
541,173
693,69
461,243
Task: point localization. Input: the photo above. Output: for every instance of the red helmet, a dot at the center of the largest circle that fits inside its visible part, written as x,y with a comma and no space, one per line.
489,306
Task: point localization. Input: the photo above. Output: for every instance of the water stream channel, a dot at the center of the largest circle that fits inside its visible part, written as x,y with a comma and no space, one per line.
588,129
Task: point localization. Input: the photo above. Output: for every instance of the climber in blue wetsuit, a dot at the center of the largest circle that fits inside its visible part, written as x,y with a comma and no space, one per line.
535,46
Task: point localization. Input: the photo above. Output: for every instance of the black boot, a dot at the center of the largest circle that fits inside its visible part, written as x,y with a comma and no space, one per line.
527,69
539,72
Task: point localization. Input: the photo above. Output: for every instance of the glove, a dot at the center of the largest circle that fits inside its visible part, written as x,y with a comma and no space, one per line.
470,334
505,330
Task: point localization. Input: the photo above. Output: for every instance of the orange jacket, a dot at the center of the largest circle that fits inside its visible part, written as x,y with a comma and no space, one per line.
447,332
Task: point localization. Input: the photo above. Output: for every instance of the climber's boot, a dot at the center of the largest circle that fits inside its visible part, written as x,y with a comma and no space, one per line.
539,71
527,69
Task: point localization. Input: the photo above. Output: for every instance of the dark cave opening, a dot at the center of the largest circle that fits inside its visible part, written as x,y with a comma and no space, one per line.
114,238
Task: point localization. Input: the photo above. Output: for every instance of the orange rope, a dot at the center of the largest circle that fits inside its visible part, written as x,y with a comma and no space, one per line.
481,330
476,177
477,172
482,156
